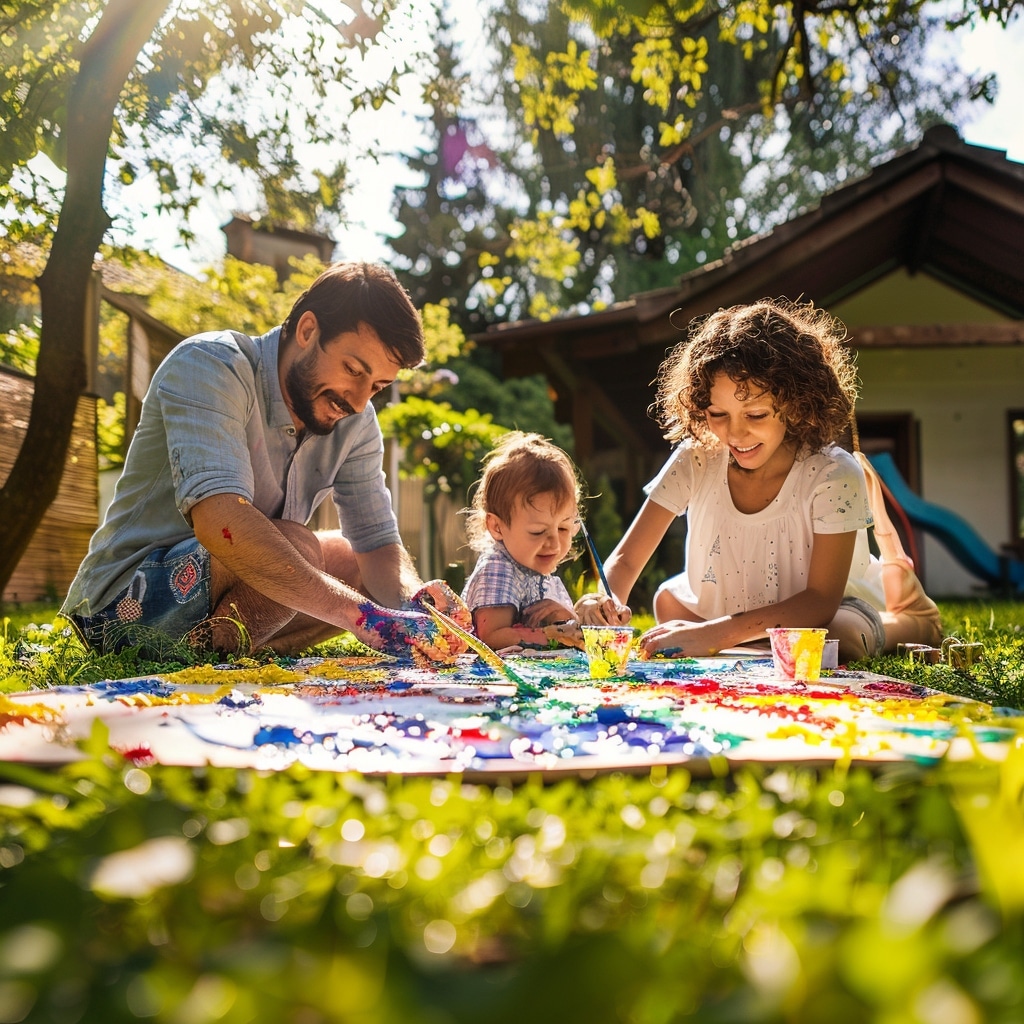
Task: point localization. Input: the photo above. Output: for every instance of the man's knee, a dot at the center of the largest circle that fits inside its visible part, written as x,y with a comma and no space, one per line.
304,540
339,558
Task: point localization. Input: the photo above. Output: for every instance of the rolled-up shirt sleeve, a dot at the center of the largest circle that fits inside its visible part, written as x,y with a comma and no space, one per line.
361,495
206,405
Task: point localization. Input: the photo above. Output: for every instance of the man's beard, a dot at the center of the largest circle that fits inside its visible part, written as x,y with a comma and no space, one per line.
302,384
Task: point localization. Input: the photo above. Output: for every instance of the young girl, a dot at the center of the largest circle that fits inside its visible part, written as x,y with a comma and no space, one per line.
524,515
776,511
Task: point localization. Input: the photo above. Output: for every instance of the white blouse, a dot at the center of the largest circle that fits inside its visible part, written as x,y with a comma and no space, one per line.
736,560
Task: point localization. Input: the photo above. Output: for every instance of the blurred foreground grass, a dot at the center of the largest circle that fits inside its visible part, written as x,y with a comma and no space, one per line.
767,895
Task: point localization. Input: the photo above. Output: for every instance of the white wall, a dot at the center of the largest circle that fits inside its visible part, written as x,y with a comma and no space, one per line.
960,396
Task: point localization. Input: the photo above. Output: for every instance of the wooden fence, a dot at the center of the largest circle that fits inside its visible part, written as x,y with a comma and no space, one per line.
62,539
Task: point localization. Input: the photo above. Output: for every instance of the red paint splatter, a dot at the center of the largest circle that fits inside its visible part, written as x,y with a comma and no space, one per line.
226,533
141,756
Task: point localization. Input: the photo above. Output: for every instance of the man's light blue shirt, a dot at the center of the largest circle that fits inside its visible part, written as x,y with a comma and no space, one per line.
214,421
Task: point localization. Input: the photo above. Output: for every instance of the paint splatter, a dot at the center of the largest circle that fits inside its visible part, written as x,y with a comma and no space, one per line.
405,714
141,757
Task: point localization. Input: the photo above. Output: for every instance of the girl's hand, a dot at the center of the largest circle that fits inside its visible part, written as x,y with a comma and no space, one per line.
597,609
678,638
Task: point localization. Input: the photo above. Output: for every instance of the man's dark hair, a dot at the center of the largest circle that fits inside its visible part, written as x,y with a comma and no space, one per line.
348,294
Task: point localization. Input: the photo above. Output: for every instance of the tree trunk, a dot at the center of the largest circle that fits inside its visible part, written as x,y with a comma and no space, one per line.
106,60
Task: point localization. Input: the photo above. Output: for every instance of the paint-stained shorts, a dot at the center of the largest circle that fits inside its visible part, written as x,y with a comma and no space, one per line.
169,594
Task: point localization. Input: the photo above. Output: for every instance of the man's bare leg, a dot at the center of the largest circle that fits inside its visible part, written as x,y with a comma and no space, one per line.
266,622
303,631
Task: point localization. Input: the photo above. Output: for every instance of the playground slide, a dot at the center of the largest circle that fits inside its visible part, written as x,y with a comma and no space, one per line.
954,532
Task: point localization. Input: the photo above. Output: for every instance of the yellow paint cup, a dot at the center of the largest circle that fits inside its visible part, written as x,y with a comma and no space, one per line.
607,649
797,651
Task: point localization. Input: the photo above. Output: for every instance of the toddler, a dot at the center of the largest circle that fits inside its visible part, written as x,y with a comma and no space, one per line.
524,515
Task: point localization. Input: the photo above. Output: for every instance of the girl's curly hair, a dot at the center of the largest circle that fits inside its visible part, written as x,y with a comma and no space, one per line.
795,352
517,469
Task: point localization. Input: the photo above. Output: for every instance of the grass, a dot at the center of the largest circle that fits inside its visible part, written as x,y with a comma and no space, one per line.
780,895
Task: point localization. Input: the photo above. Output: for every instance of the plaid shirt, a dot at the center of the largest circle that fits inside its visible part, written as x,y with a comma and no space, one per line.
499,579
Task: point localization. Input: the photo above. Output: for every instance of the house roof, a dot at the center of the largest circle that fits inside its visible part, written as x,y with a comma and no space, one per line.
946,208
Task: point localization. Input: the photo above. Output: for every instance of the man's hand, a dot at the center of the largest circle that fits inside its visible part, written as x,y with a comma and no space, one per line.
405,634
444,599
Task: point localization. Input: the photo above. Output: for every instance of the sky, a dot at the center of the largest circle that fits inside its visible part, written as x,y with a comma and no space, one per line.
987,48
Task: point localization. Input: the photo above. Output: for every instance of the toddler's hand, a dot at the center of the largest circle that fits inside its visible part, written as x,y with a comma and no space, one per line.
546,638
563,634
545,613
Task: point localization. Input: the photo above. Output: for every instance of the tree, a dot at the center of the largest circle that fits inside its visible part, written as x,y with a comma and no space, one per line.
101,88
449,223
61,368
645,138
446,215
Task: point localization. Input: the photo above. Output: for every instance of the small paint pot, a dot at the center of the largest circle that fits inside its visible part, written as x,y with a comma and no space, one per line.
961,655
607,649
830,655
922,654
797,652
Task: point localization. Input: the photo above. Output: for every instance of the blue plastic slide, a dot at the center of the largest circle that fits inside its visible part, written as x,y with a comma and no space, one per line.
956,534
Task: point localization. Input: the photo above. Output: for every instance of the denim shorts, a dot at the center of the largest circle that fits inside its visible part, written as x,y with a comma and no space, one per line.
169,595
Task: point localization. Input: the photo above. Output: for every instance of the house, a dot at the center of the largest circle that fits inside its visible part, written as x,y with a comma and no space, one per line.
62,538
923,260
273,245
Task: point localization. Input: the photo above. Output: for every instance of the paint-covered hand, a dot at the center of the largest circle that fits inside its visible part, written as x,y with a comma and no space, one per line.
444,599
680,638
405,634
565,634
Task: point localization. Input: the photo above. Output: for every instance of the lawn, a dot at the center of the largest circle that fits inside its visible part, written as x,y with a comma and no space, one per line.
785,894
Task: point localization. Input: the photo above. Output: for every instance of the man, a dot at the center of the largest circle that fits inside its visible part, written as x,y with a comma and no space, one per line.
239,441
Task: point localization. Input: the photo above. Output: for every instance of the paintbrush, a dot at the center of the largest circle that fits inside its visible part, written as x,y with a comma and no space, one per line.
487,656
595,559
